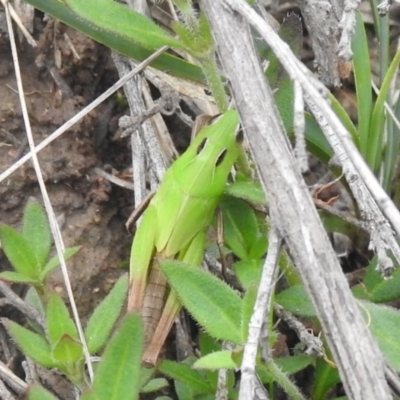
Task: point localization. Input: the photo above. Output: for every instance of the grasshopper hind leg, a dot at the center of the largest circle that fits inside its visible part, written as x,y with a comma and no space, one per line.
192,255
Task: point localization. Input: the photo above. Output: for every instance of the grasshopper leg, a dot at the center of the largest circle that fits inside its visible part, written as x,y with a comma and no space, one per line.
192,255
141,254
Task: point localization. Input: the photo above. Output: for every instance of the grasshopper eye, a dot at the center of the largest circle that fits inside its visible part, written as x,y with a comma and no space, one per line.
214,119
220,158
201,146
239,137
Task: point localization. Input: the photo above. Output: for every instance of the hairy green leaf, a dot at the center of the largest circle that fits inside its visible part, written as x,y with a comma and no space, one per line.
16,277
219,359
384,323
105,315
54,262
59,323
118,373
248,272
67,350
155,385
20,252
212,303
185,374
31,344
296,300
247,190
37,392
36,231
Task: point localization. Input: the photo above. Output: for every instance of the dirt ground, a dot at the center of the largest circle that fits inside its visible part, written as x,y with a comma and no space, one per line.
63,74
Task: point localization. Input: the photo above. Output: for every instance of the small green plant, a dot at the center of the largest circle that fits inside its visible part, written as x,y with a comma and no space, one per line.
57,345
29,251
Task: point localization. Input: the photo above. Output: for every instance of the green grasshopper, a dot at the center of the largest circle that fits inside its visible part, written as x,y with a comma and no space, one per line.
175,223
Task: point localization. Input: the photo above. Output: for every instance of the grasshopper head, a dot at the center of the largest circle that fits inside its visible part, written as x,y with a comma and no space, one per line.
205,166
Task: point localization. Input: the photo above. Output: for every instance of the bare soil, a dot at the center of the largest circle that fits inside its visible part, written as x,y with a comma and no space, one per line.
63,74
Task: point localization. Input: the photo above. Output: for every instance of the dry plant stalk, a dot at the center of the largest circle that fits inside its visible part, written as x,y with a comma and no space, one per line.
291,207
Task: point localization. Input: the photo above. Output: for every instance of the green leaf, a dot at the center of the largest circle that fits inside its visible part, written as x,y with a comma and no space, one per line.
372,276
155,385
67,350
249,301
288,365
384,290
296,300
247,190
217,360
316,142
15,277
19,251
248,272
37,392
213,304
362,78
171,64
375,138
31,344
384,323
146,375
332,223
54,262
241,227
207,343
109,16
59,323
292,33
36,231
185,374
117,375
32,298
344,117
105,315
325,378
293,364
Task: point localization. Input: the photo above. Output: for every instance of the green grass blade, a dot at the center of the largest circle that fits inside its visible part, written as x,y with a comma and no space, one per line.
316,142
375,142
173,65
110,16
346,121
392,149
362,77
